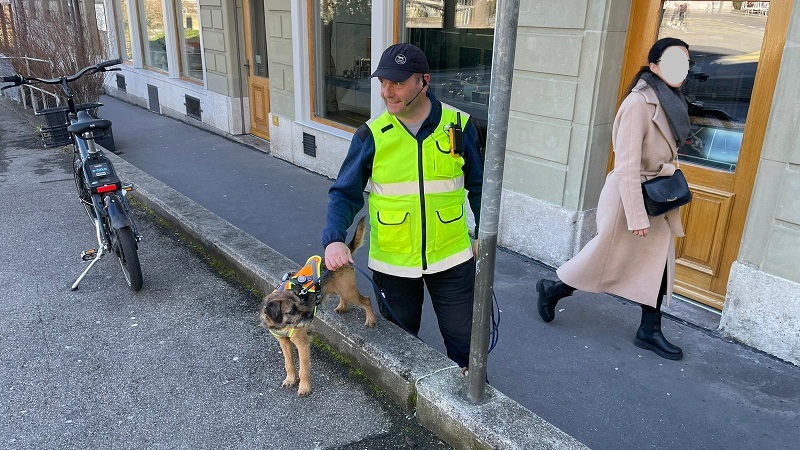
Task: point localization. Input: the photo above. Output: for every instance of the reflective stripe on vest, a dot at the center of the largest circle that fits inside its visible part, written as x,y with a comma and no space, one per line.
412,187
417,199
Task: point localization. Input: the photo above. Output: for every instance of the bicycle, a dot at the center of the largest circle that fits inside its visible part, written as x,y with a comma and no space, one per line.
100,191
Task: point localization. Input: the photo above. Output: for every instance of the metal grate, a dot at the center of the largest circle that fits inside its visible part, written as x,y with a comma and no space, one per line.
193,107
152,94
121,83
310,145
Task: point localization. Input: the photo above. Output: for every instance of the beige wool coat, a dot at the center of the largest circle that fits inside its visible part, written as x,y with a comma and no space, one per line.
616,260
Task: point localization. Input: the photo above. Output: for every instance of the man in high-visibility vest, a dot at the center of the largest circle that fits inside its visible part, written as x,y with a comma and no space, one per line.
419,158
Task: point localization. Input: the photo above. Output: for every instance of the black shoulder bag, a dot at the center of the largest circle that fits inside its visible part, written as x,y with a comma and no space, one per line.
663,194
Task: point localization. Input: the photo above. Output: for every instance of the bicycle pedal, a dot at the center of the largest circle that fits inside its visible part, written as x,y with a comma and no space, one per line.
88,255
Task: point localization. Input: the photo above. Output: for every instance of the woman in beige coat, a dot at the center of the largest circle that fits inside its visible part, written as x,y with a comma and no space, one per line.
633,254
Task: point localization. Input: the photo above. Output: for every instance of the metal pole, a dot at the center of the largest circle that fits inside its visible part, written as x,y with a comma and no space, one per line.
505,39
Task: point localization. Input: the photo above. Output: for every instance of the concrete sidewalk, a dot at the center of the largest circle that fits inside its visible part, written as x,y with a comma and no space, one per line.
580,373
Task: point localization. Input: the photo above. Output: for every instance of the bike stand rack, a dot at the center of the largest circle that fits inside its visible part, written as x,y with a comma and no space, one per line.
91,264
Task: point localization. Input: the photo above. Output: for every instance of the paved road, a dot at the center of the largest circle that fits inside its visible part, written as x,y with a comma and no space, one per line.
181,364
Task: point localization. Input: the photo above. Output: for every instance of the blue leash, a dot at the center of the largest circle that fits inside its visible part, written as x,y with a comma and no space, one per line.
381,295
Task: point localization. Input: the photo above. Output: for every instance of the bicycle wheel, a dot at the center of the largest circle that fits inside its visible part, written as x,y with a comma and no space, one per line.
125,250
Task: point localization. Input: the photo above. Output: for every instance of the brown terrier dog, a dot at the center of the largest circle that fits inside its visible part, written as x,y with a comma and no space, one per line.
288,311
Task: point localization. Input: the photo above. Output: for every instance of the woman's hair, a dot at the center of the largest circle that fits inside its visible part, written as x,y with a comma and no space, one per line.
654,56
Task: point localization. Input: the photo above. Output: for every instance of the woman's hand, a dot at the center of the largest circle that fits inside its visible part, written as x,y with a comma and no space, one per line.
642,232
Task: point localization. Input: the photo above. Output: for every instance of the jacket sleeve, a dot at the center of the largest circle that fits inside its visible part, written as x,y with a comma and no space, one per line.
347,193
473,172
631,124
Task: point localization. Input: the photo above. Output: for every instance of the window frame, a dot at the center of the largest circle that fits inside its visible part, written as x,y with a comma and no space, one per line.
141,16
119,25
312,78
178,19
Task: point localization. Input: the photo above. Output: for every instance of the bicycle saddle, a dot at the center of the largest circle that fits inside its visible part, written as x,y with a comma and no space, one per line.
86,123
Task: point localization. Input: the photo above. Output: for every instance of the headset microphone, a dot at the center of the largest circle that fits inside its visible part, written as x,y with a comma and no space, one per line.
424,83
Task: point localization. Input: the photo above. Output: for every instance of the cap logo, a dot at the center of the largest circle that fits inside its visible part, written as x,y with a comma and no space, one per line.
400,59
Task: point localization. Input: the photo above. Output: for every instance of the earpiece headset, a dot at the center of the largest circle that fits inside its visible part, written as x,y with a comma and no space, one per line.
424,83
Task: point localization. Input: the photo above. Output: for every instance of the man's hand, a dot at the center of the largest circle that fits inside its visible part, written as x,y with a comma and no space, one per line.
475,249
337,254
642,232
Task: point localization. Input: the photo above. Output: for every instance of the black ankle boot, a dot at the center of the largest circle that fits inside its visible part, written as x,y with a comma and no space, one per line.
550,292
649,336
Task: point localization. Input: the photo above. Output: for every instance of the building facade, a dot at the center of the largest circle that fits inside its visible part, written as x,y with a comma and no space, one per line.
296,72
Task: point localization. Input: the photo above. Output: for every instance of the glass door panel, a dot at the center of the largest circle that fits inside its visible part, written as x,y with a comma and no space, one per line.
457,36
725,40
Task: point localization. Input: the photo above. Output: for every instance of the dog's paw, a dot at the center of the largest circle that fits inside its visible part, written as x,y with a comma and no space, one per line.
289,382
370,322
341,308
304,390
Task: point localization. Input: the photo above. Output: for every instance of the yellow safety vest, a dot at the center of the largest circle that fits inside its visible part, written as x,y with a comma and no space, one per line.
416,203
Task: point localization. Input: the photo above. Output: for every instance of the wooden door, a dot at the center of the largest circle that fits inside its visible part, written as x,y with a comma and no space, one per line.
255,29
735,48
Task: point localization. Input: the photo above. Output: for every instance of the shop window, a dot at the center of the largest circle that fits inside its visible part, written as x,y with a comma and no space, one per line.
152,24
341,59
457,36
124,25
189,39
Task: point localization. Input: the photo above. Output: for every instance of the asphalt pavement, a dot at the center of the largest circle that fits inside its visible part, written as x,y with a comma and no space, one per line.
581,372
181,364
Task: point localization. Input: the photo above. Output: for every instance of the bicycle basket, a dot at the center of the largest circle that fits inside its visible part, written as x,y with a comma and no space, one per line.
54,130
56,136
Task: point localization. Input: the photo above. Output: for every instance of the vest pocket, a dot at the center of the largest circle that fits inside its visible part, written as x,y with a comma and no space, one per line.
449,226
394,231
444,164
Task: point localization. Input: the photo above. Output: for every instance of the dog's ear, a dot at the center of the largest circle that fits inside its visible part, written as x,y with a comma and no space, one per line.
273,311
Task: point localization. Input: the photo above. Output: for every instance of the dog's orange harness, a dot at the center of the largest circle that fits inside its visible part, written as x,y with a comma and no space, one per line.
308,279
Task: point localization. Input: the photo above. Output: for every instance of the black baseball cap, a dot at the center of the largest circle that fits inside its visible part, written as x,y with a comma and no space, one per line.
400,61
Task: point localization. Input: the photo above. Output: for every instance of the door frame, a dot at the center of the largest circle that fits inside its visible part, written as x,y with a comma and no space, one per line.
248,45
643,27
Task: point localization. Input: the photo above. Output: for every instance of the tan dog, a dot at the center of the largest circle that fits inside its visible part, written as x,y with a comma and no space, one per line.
288,311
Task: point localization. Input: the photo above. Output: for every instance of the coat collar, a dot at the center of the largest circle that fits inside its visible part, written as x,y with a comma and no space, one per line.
660,118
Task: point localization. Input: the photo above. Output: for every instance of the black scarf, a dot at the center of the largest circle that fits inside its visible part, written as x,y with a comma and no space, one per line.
674,106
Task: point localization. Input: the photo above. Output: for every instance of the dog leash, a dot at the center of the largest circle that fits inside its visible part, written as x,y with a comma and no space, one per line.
494,332
379,293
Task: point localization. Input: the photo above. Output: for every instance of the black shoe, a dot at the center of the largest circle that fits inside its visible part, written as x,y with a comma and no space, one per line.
650,337
550,292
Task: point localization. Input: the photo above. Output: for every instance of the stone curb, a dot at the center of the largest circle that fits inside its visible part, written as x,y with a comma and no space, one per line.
414,375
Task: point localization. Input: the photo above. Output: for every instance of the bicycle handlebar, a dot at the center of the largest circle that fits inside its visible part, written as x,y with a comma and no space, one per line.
109,63
101,67
11,79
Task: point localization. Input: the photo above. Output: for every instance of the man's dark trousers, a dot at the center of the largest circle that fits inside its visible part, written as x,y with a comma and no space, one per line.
452,293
